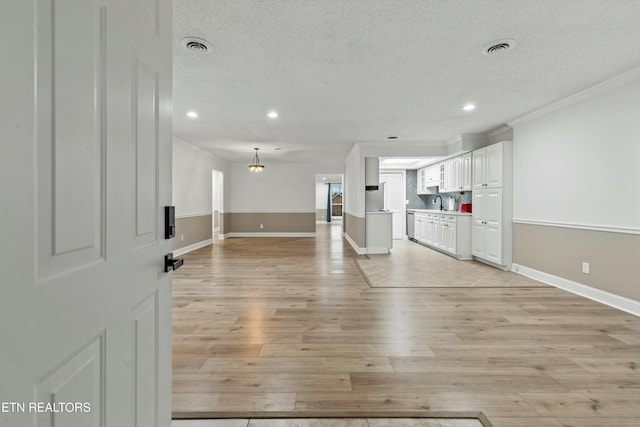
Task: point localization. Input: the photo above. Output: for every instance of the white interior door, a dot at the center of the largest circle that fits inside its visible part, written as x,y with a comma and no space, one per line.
394,201
86,136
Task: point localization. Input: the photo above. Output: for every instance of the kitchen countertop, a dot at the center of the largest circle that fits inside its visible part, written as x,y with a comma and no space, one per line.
438,211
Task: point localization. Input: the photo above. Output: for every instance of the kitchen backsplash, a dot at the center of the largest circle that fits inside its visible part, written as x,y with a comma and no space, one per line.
425,201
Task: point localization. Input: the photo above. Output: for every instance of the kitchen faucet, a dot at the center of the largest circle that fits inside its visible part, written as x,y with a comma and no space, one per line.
438,197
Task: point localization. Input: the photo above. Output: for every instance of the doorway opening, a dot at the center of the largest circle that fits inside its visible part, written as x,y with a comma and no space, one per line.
329,198
217,203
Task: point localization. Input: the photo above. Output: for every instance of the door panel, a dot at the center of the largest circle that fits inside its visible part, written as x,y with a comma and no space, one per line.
493,162
77,380
466,172
144,86
478,168
394,201
492,206
493,245
478,239
90,167
70,142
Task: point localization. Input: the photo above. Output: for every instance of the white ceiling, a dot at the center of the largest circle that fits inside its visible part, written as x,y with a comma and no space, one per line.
345,71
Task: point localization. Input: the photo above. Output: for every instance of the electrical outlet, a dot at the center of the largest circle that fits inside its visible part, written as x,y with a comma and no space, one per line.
182,237
261,226
585,267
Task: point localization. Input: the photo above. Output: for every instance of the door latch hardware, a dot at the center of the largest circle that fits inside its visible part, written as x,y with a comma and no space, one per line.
171,263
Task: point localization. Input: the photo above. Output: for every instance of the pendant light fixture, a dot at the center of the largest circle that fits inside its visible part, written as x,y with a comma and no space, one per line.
255,165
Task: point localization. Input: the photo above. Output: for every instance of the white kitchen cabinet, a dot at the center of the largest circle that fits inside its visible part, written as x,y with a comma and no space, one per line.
431,235
449,175
487,224
488,166
421,181
455,174
417,229
448,233
444,232
428,178
433,175
466,183
492,204
451,243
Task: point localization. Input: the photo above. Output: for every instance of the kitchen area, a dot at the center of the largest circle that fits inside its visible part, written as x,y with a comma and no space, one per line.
461,205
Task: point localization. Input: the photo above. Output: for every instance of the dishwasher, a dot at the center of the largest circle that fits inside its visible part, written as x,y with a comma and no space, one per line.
411,224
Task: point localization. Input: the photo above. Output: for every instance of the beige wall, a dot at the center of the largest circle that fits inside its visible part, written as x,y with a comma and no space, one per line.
614,257
321,214
216,218
272,222
355,227
192,229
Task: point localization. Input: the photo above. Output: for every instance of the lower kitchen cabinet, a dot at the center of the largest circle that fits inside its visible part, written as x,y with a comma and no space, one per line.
448,233
487,225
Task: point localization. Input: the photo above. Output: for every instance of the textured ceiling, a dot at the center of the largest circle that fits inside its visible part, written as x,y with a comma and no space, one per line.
345,71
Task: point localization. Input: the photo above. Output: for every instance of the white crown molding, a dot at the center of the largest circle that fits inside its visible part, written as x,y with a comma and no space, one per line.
580,96
589,227
193,247
612,300
498,131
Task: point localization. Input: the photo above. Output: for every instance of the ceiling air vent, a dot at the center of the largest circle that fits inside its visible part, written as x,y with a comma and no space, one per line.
196,45
498,46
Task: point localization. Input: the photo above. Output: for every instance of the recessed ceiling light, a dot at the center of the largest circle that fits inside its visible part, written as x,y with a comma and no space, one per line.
324,177
192,114
392,137
469,107
272,114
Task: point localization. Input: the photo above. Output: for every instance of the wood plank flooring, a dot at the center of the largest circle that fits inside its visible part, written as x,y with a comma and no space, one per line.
339,422
289,324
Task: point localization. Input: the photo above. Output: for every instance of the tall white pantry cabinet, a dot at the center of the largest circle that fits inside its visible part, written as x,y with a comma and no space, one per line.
491,239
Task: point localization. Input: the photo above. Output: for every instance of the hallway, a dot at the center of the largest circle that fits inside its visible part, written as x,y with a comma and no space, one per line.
289,324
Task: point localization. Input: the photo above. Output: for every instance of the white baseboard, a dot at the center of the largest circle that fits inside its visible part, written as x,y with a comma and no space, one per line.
358,249
269,234
193,247
616,301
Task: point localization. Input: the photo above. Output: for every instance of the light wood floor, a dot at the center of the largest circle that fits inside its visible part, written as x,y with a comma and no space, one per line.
340,422
411,265
289,324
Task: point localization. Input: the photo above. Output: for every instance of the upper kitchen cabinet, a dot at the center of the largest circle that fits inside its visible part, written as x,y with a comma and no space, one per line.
428,179
488,166
466,182
456,174
433,175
